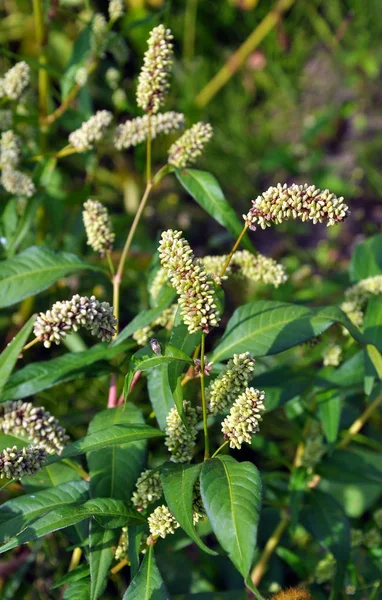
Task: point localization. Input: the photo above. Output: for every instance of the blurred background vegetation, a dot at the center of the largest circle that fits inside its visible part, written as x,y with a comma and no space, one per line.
300,103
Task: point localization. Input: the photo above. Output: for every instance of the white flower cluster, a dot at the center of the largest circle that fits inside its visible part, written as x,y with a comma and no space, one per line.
34,423
10,149
99,33
135,131
305,202
231,382
153,82
15,464
81,76
162,522
180,441
90,131
189,278
17,183
245,265
357,296
116,9
149,489
15,81
190,145
332,356
100,235
69,315
244,418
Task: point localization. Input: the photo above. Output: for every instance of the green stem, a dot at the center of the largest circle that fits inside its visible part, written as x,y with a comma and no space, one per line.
235,246
43,82
219,449
110,263
204,404
32,343
148,154
189,30
360,422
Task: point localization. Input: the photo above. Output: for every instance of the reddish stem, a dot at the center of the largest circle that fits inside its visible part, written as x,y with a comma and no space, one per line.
112,400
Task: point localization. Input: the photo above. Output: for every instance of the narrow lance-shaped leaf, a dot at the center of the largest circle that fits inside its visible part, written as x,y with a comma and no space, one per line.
34,270
101,555
178,486
9,356
148,583
231,494
160,393
114,513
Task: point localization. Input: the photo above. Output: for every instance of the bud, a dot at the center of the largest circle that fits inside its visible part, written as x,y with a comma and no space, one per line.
10,149
90,131
190,145
357,296
162,522
244,418
123,545
135,131
17,183
113,77
149,489
100,235
116,9
153,82
198,367
332,356
305,202
81,76
99,33
15,81
69,315
179,440
15,464
231,382
189,278
34,423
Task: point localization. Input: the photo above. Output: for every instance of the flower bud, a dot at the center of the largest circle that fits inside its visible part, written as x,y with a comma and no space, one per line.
15,464
162,522
180,441
149,489
244,418
90,131
135,131
98,227
190,145
231,382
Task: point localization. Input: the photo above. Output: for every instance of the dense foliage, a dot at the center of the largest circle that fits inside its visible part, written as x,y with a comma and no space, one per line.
190,378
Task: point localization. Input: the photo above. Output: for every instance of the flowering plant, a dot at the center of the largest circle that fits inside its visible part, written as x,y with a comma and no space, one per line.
182,454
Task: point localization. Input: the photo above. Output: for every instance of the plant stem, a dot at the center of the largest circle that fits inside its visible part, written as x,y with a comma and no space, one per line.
219,449
204,404
270,547
148,153
38,13
241,55
110,263
189,30
32,343
360,422
235,246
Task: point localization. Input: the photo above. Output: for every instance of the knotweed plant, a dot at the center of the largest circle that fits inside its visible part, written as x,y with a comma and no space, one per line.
208,412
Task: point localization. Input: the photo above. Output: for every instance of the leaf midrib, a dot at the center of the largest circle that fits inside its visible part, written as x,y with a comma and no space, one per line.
232,509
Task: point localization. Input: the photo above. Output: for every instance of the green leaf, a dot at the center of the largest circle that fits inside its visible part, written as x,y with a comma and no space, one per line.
160,393
178,487
50,476
146,359
148,583
282,384
114,513
77,590
115,470
77,574
231,494
329,410
101,556
9,356
17,513
264,327
326,521
205,189
146,317
34,270
373,322
367,259
111,436
348,375
36,377
24,224
351,466
80,51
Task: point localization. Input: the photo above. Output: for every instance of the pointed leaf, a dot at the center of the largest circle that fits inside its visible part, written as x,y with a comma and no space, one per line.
329,410
148,583
205,189
111,436
77,574
231,494
77,590
101,556
17,513
160,393
34,270
115,470
114,513
178,487
367,259
9,356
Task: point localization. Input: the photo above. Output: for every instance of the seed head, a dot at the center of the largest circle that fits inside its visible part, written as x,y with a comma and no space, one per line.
90,131
162,522
69,315
189,278
135,131
98,227
244,418
10,149
179,440
231,382
17,183
34,423
15,81
15,464
149,489
305,202
153,82
190,145
116,9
